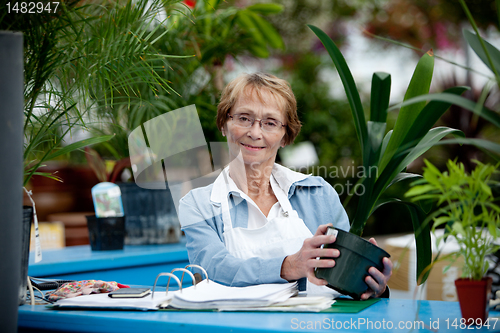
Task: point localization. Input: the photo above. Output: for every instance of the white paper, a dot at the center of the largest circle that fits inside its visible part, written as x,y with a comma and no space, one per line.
211,295
105,302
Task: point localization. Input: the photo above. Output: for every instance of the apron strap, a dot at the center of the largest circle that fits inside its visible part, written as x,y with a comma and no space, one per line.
281,196
226,216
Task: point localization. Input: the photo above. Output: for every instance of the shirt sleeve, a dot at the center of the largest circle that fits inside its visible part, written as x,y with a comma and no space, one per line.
337,212
206,248
318,203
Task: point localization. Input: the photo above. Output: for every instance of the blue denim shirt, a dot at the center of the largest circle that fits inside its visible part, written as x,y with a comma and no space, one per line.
315,201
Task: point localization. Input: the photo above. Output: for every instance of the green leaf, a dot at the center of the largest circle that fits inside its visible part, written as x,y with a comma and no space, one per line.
419,85
384,145
266,8
425,197
403,176
441,220
475,44
492,229
398,163
458,228
47,175
465,103
112,150
422,236
270,34
486,189
77,145
418,190
348,82
428,141
429,115
480,143
380,93
211,5
375,132
259,51
422,240
245,21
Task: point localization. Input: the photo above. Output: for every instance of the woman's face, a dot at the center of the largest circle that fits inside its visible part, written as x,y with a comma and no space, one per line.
258,147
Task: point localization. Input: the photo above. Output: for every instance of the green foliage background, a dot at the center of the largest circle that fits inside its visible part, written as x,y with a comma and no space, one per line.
206,42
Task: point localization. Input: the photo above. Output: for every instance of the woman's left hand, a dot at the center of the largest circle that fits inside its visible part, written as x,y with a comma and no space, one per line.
377,280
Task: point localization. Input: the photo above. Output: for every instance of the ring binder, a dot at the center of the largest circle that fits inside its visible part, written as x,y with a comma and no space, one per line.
166,274
171,274
196,266
182,277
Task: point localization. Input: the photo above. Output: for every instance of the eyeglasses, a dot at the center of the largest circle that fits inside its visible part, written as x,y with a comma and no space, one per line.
267,125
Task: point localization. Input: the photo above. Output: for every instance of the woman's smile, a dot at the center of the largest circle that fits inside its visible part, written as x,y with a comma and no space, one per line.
251,147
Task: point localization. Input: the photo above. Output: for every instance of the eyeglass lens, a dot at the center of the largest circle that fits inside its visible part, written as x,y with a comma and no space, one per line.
268,125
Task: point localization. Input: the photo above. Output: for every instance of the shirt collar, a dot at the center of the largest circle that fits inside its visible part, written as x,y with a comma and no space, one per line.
284,177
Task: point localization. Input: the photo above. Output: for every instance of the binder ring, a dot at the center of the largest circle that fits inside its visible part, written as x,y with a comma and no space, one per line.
165,274
199,267
182,277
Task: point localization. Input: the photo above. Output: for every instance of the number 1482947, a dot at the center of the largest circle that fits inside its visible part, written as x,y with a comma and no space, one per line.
32,7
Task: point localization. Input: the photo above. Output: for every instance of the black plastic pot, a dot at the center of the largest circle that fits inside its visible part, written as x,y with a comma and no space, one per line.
106,233
151,215
25,252
351,267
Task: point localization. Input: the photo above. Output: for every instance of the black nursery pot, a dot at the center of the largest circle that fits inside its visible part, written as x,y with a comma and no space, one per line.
351,267
25,252
106,233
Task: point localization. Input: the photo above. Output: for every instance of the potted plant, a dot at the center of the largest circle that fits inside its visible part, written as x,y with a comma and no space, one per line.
388,153
468,211
81,57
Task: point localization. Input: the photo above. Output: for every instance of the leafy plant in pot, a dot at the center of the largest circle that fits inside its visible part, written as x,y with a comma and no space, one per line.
385,158
48,112
470,216
75,64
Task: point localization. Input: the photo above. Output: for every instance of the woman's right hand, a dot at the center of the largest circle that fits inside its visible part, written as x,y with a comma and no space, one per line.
303,263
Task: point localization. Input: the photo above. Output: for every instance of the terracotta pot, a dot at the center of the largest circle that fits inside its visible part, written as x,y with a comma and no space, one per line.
474,298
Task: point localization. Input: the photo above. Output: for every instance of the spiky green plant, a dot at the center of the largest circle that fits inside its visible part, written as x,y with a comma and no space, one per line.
490,56
390,152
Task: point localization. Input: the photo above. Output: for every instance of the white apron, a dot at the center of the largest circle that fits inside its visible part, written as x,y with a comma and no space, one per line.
280,236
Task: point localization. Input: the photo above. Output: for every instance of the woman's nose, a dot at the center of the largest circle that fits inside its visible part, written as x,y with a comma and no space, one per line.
255,131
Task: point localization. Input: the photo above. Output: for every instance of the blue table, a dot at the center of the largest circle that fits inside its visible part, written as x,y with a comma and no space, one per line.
401,315
135,264
139,265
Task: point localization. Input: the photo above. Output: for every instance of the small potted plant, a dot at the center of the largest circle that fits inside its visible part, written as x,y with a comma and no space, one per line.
470,216
75,64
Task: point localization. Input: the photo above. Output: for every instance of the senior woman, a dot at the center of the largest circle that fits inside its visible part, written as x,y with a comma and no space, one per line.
260,222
